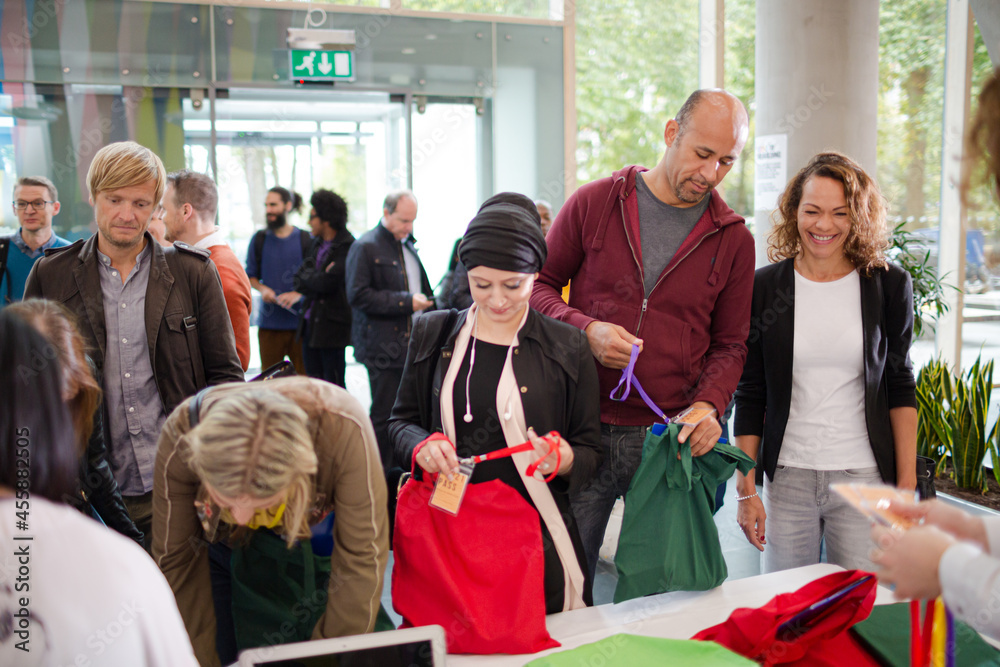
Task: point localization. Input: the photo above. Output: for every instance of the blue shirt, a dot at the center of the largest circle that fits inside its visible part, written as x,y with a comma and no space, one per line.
20,259
135,411
279,260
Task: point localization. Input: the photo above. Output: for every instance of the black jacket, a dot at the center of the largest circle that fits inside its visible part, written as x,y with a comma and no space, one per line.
325,291
555,370
98,490
766,386
553,366
378,294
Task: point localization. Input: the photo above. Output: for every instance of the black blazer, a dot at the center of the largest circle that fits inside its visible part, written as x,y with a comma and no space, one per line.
325,291
766,386
381,301
553,366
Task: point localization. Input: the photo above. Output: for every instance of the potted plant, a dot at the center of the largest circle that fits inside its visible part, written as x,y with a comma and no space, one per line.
970,441
928,289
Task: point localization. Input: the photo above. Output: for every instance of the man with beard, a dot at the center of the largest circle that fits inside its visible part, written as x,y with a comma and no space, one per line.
656,255
153,318
273,257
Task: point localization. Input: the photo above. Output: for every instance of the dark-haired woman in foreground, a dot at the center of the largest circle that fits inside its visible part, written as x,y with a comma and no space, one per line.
97,490
91,592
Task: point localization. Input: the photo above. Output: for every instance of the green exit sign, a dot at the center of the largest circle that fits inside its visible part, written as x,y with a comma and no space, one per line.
317,65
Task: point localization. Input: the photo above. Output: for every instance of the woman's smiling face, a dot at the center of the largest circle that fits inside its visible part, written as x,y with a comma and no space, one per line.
823,219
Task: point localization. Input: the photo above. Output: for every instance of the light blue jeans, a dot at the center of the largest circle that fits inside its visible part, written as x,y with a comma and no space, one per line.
802,513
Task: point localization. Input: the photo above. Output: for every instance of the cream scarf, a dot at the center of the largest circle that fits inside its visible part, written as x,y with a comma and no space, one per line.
511,414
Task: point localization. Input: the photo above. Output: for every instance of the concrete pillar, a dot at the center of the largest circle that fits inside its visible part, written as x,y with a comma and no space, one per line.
817,85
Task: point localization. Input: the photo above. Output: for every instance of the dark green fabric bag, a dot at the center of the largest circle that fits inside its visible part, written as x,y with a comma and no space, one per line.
668,540
279,594
886,635
636,650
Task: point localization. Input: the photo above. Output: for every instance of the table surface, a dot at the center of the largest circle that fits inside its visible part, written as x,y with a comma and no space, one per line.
673,615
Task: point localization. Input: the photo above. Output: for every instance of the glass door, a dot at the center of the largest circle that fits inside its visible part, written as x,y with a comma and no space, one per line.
351,143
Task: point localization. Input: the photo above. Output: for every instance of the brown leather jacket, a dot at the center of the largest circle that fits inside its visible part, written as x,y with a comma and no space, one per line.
349,481
191,343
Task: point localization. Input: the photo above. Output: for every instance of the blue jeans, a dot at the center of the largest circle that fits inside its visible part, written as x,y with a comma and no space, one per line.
593,504
802,512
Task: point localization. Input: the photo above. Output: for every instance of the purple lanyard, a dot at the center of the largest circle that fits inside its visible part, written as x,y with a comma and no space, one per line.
629,379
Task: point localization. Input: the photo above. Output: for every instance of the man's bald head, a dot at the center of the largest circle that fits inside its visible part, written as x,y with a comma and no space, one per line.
719,105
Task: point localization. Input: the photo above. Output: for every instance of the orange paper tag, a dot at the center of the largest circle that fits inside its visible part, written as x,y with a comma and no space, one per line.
692,416
448,494
873,501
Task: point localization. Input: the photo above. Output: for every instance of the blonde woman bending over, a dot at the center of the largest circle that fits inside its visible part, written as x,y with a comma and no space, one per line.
249,478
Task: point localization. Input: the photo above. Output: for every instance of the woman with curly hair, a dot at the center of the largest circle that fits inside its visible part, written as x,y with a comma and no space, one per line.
827,390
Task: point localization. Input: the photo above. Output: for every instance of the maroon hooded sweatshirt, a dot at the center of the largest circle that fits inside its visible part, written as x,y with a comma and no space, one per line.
695,322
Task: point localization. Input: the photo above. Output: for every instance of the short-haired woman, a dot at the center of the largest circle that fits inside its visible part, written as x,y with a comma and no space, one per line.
827,390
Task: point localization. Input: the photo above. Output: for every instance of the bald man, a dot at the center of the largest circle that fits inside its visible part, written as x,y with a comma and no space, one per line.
656,258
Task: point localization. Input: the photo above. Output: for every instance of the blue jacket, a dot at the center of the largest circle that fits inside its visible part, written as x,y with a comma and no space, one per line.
381,303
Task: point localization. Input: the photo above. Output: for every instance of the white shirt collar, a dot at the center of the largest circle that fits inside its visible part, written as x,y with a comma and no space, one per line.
215,238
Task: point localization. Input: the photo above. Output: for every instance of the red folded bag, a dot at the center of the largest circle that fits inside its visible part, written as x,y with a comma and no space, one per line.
479,574
807,627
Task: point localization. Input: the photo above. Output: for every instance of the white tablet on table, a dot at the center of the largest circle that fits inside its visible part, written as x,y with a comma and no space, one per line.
419,647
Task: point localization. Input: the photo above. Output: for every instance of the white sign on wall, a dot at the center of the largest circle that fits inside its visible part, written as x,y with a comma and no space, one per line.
771,170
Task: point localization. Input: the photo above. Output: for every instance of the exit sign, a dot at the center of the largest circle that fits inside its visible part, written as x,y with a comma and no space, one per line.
317,65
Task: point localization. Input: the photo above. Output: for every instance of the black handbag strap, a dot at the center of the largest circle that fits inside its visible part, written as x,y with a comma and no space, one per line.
283,368
5,242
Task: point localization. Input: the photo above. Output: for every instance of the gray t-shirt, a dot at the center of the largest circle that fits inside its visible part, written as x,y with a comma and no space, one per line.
662,230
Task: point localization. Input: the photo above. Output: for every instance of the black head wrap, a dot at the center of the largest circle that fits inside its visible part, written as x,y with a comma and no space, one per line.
506,234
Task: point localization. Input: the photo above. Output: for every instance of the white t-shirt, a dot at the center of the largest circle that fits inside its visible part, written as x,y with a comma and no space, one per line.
826,427
94,597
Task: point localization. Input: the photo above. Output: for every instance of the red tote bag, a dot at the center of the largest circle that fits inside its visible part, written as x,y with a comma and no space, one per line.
479,574
804,628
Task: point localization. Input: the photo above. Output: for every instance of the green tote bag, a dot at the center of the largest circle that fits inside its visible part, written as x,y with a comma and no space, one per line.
668,540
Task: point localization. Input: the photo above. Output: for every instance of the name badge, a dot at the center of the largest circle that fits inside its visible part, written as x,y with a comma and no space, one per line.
448,493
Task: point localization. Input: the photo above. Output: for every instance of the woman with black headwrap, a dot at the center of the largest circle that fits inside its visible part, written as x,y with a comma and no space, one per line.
500,374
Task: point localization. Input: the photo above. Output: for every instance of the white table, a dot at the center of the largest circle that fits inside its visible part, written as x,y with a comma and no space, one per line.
673,615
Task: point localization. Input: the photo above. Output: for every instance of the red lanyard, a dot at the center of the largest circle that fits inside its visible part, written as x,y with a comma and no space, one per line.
551,439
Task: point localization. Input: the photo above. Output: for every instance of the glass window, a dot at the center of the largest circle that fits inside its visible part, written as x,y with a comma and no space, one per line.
341,142
981,311
740,31
634,68
445,179
55,131
911,89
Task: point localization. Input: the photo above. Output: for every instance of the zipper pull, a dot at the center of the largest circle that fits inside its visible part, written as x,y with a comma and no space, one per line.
644,303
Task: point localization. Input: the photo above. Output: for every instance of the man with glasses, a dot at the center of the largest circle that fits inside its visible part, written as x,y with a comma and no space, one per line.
36,202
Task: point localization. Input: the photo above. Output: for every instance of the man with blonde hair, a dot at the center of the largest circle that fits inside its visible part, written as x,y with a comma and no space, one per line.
154,317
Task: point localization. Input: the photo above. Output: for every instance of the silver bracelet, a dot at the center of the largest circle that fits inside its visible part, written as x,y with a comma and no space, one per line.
752,495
